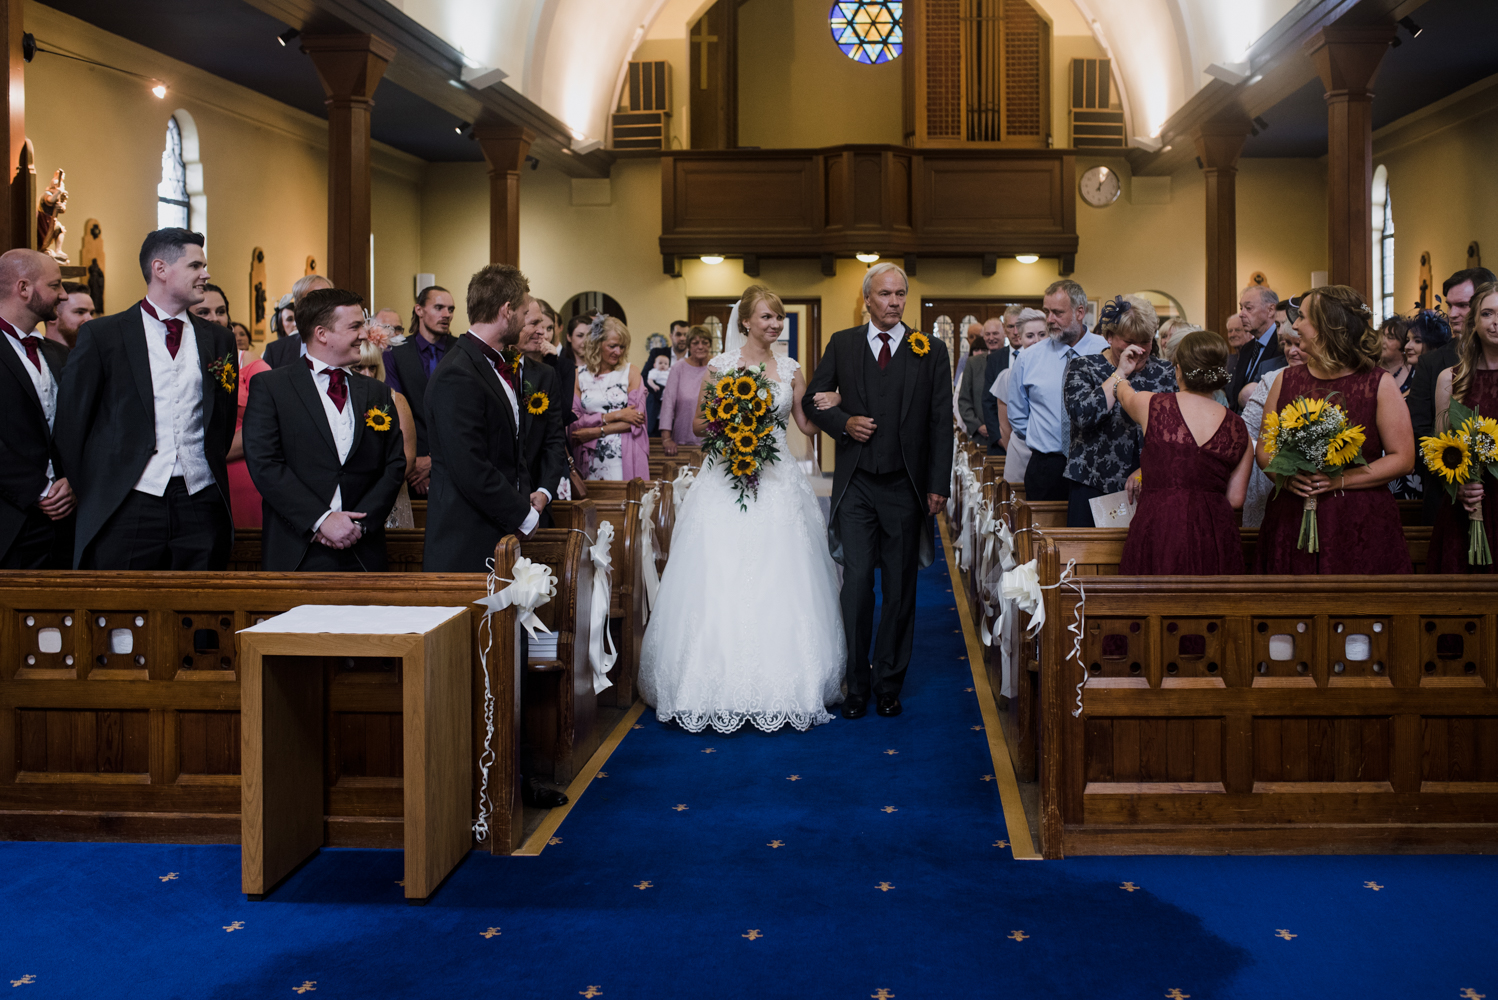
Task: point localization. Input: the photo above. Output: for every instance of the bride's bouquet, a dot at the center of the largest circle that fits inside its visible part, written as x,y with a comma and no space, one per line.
1311,435
741,427
1463,456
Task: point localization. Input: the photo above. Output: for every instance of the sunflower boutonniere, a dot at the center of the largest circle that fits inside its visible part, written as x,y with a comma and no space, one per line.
920,344
377,418
224,373
537,403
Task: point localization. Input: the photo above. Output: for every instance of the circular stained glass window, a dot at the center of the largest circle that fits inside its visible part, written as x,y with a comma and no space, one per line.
868,31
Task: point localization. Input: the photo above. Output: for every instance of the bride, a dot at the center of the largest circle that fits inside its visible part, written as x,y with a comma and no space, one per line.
746,625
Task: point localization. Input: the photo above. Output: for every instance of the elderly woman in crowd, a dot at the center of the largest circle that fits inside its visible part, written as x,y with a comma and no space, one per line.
1260,485
679,401
1392,359
1030,324
1104,441
608,435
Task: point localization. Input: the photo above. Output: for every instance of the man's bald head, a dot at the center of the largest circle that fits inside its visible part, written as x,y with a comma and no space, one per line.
30,288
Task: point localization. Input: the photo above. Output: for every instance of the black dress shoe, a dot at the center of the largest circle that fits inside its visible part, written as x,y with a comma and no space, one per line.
533,793
889,705
855,708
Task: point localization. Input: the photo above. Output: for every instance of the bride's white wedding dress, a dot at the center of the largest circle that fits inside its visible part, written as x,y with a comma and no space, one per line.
746,625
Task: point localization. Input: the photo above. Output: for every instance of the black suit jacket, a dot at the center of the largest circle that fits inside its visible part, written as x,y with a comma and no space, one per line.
106,414
413,378
545,443
28,443
1258,358
998,362
481,485
293,460
565,365
925,419
1422,397
283,351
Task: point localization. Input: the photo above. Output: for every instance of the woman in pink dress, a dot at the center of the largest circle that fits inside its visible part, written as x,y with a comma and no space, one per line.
608,436
244,499
1356,516
1195,464
679,401
1474,381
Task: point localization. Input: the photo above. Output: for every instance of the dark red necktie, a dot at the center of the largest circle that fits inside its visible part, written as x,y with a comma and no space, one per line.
173,329
32,344
507,370
337,385
883,351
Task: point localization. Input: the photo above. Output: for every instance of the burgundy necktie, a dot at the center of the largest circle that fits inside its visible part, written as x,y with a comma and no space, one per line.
173,328
32,343
883,351
337,385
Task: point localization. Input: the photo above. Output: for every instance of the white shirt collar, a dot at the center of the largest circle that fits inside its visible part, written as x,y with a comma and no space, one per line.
161,312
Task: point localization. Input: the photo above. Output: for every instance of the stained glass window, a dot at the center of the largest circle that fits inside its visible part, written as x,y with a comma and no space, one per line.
172,205
868,31
1386,251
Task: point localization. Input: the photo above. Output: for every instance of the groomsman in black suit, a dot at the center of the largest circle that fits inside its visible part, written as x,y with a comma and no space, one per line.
409,367
547,405
36,502
478,422
145,417
324,448
282,352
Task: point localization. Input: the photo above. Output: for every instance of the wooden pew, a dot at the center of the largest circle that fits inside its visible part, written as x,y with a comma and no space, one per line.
559,708
1270,714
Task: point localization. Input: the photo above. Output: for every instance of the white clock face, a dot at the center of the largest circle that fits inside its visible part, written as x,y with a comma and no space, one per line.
1100,187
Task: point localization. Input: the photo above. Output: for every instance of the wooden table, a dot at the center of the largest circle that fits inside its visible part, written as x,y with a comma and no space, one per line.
282,737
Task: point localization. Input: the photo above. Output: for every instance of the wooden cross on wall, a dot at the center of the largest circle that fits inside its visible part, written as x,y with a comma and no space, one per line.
703,39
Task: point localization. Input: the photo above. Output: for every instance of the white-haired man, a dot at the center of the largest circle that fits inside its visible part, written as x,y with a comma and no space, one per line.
1262,353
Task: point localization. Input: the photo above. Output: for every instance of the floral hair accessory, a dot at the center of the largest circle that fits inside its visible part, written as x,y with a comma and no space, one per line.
595,329
1114,311
383,336
1207,374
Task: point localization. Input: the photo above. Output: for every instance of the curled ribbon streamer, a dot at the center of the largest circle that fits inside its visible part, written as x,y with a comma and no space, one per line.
647,545
601,652
532,586
679,486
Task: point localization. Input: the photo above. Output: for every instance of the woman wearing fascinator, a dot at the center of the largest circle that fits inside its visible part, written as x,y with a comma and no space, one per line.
1194,464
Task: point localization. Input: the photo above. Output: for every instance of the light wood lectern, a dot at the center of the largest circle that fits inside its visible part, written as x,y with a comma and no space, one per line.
282,737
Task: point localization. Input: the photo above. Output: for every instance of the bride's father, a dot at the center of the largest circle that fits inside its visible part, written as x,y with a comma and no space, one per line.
894,463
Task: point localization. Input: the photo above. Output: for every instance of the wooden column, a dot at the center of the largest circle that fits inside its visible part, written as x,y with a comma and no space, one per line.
17,214
505,147
1347,59
350,67
1218,143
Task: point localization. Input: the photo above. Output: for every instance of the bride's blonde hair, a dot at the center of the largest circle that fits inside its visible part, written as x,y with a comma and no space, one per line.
753,296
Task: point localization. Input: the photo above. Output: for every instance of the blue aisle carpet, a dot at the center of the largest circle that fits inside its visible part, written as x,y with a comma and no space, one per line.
861,859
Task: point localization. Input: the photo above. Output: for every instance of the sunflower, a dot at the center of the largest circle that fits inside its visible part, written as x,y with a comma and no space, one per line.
1292,417
920,344
537,403
1346,446
725,385
727,408
745,441
378,419
1269,433
744,465
744,387
226,379
1447,455
757,407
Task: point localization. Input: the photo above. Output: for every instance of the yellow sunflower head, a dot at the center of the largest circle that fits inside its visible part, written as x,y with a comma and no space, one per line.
1269,433
744,465
744,387
226,379
1448,456
1346,446
378,420
725,385
920,344
745,441
1293,416
726,408
757,407
537,404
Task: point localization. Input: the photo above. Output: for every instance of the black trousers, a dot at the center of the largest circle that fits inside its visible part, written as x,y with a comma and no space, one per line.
880,519
321,559
42,543
1045,477
1078,510
178,530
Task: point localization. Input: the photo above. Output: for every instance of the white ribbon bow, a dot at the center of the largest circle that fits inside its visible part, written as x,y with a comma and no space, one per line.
647,545
601,652
679,486
1022,586
532,585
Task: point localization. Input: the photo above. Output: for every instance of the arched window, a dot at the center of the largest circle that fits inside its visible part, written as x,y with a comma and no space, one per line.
868,31
173,209
1383,246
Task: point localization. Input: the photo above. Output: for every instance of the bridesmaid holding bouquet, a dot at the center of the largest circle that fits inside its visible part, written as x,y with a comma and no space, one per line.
1473,382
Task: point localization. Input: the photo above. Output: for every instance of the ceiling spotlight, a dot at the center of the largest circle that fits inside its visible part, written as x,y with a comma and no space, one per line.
1166,149
286,36
460,128
1262,125
867,258
712,258
159,90
1027,258
1408,24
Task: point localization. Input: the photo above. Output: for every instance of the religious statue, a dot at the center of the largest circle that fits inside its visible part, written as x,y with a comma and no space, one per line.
49,227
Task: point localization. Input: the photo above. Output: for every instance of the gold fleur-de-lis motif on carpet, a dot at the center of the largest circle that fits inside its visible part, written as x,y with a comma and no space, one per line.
987,777
1129,887
308,986
968,690
680,807
25,980
881,994
776,843
977,729
1468,993
1372,885
794,777
884,887
1001,843
889,809
1176,994
637,726
644,885
169,876
400,882
891,753
489,934
237,925
710,750
603,774
1016,935
1282,933
753,935
553,841
590,992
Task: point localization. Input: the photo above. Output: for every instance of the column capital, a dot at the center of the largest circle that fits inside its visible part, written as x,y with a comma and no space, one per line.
1219,141
1347,58
504,144
348,66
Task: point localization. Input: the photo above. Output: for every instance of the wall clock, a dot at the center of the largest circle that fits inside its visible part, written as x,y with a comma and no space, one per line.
1100,187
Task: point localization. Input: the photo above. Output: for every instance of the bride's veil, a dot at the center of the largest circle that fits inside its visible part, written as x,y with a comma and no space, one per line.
733,336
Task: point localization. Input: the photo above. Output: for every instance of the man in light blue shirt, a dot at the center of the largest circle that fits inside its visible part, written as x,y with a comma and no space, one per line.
1037,407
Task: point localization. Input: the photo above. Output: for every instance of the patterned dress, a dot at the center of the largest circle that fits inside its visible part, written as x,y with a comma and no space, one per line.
603,394
1104,441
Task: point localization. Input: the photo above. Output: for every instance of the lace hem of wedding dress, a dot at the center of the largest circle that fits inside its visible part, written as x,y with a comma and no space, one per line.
727,722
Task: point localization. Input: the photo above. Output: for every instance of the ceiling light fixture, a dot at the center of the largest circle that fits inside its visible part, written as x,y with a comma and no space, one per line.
1166,149
712,258
867,258
159,90
30,48
286,36
1027,258
1230,72
1408,24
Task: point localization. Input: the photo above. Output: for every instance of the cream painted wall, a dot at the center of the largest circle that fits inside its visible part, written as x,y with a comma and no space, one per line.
264,166
1440,163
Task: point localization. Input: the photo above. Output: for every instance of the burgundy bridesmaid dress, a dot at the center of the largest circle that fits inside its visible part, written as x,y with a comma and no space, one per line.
1359,530
1184,525
1448,539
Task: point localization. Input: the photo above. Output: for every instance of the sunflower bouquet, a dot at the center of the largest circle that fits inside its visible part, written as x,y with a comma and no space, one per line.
1311,435
741,427
1462,456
